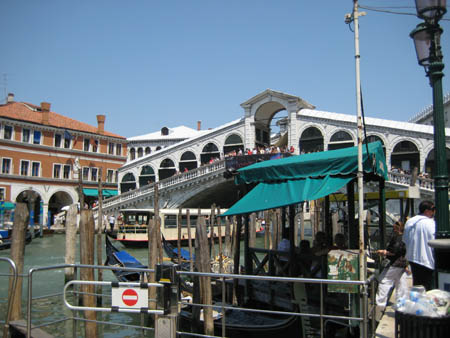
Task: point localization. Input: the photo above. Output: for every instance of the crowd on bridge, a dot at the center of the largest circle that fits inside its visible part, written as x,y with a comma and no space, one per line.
261,150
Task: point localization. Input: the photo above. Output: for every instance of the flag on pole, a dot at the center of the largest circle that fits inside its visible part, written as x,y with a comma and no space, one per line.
67,135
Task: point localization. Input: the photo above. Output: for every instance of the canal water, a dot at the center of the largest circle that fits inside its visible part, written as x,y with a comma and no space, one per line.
49,251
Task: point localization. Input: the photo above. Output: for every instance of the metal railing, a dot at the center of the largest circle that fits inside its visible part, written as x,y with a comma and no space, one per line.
12,292
366,305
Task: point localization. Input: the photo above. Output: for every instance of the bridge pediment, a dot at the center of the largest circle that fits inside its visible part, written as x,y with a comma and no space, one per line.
270,101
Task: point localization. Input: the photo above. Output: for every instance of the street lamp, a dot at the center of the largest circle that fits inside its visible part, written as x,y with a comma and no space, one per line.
428,48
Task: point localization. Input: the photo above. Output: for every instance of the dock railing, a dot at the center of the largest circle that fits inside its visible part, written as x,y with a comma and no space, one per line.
366,305
12,292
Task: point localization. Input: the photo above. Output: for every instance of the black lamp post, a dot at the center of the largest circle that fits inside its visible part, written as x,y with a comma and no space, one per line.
427,42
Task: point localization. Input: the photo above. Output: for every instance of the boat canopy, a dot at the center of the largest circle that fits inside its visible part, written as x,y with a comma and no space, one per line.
304,177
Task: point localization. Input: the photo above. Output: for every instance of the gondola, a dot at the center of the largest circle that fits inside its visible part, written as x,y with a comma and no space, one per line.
118,258
239,323
5,243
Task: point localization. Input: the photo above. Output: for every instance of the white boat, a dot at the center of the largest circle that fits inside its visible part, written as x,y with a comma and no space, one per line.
133,225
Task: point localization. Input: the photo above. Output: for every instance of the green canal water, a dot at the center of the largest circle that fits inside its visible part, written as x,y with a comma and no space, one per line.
49,251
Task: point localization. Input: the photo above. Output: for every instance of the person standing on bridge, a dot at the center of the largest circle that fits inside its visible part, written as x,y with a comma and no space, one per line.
418,231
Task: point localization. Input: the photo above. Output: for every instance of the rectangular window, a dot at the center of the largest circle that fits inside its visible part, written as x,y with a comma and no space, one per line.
118,149
8,131
2,194
110,176
116,176
36,137
86,144
24,165
111,149
94,172
86,173
66,173
57,171
6,166
58,139
94,146
35,169
26,135
67,143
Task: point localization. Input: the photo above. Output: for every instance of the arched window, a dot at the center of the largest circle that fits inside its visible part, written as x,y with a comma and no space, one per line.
311,140
128,183
374,138
164,131
209,153
430,164
140,152
132,154
339,140
405,156
147,176
166,169
188,161
147,150
158,148
233,143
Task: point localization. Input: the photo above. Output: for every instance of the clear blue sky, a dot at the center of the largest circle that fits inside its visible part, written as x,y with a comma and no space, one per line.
148,64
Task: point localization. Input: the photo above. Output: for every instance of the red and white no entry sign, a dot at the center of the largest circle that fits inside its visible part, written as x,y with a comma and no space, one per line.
130,297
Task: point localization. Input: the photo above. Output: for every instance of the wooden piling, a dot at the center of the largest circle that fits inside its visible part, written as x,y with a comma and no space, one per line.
71,241
227,249
152,234
188,219
157,224
87,228
202,260
252,231
219,235
21,219
179,220
211,233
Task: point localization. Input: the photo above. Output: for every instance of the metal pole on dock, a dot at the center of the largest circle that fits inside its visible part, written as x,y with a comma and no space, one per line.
99,237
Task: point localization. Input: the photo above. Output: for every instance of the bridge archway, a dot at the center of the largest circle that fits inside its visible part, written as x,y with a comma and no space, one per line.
430,164
166,169
188,161
233,143
128,183
148,151
374,138
311,140
264,117
58,200
146,176
209,152
405,156
341,139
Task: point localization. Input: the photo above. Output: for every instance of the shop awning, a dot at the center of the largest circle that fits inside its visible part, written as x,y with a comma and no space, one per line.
305,177
7,205
94,192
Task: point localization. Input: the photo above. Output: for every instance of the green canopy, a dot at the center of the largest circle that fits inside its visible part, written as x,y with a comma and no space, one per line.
7,205
94,192
304,178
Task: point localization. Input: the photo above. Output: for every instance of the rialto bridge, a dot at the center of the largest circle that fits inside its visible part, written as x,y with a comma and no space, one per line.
191,172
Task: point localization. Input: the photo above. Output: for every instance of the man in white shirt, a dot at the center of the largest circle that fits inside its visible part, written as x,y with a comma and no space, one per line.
418,231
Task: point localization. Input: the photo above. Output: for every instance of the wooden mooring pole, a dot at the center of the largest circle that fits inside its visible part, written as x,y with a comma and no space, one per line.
71,241
87,228
99,237
21,219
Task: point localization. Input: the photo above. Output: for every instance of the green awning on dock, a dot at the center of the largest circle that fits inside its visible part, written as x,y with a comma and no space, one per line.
94,192
304,177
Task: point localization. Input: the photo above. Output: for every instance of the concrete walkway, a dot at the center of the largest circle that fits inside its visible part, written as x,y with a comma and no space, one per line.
386,326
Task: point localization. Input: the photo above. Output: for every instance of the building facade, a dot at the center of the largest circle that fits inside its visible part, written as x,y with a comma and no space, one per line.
42,154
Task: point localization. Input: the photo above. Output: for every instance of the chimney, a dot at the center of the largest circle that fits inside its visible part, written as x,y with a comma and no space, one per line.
199,125
45,109
10,98
101,124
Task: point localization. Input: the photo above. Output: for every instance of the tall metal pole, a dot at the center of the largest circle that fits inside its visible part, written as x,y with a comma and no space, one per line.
362,253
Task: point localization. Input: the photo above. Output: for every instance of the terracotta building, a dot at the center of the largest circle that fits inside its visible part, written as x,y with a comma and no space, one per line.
43,152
